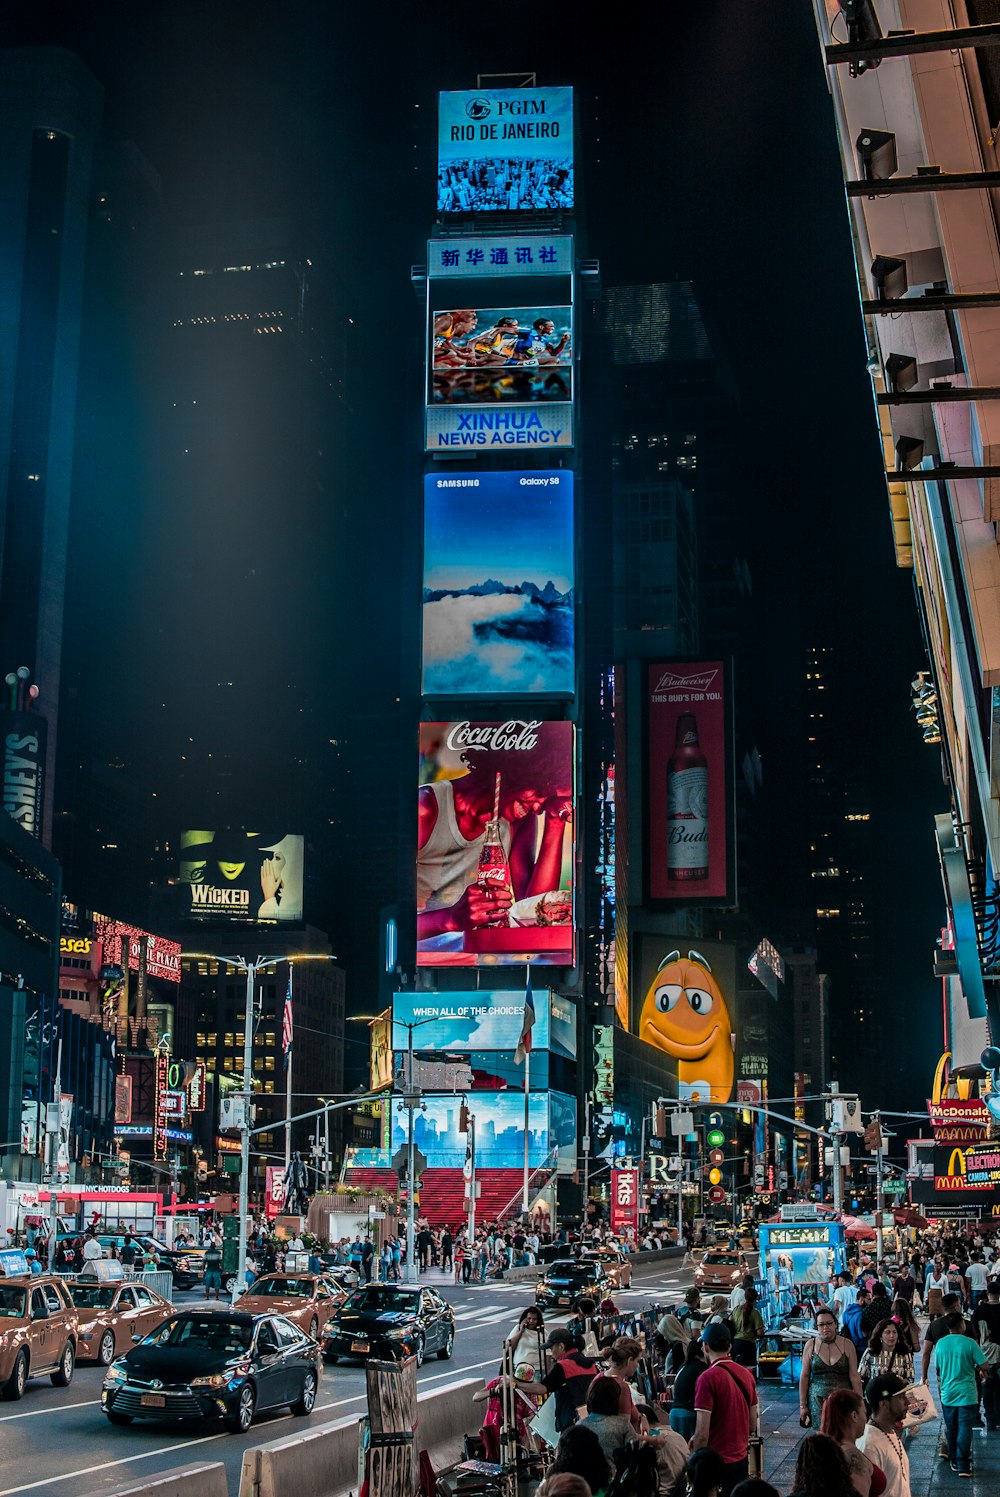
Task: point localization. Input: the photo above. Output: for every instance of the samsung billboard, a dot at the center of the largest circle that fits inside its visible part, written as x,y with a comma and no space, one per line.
505,150
498,590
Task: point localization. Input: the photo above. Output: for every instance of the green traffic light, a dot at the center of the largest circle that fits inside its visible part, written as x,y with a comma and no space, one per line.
716,1138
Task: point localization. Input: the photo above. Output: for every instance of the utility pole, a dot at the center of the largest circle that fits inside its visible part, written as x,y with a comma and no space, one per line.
586,1158
470,1232
411,1215
838,1194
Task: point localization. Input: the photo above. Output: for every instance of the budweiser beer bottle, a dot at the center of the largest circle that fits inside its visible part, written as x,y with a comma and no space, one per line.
687,804
494,870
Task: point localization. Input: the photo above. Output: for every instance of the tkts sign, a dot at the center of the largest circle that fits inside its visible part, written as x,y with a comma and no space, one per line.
625,1202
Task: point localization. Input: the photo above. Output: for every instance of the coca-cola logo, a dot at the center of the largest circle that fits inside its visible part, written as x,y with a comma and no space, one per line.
670,681
508,735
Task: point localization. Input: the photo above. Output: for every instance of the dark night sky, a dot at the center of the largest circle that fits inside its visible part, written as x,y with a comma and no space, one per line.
709,152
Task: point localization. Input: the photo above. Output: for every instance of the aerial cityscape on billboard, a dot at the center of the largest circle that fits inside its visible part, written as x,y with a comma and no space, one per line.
235,875
495,843
498,584
505,149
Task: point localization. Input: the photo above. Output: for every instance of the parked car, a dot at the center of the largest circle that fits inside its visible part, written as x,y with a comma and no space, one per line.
306,1299
720,1271
112,1315
38,1332
616,1264
214,1365
566,1280
390,1320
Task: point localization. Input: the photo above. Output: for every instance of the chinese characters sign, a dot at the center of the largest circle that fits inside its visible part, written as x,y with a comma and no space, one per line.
625,1202
491,256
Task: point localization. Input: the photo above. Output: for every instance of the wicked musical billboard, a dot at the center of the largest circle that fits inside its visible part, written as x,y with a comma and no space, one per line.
495,843
234,875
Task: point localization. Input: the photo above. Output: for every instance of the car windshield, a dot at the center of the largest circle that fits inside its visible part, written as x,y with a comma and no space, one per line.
282,1286
727,1260
212,1333
571,1270
381,1297
11,1302
93,1296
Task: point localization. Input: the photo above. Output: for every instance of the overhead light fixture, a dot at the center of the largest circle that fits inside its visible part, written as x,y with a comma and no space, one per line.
877,154
889,275
932,735
862,26
900,372
909,452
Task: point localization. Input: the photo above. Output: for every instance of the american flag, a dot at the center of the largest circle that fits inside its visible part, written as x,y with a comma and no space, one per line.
524,1043
286,1022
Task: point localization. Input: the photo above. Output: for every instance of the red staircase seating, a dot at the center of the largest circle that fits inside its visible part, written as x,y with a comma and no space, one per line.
442,1194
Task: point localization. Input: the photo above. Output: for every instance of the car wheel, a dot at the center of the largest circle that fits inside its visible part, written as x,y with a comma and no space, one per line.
314,1328
418,1350
114,1418
229,1283
106,1350
449,1345
15,1385
64,1374
307,1398
247,1402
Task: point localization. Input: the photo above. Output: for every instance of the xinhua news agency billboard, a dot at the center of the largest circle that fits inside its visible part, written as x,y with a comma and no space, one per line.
495,843
687,781
483,1021
498,584
235,875
505,150
500,377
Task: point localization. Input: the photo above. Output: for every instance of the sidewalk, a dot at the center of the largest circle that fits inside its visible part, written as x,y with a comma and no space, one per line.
930,1476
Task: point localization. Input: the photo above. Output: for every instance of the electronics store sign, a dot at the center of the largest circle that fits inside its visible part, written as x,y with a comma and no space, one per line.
524,427
489,255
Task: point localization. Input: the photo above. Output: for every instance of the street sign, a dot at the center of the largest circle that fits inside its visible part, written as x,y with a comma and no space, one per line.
401,1160
716,1195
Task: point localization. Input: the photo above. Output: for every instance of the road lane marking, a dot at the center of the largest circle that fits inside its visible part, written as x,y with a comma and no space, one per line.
125,1460
84,1403
357,1397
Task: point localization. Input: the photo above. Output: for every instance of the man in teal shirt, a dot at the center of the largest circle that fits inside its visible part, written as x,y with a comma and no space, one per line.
957,1358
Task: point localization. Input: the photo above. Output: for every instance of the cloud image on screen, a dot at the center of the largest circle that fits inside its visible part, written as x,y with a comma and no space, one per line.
498,586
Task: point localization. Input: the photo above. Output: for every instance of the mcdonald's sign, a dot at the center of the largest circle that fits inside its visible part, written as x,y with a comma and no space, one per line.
968,1168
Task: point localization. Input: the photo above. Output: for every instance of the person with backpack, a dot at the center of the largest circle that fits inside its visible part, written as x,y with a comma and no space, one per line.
569,1377
213,1268
726,1409
851,1321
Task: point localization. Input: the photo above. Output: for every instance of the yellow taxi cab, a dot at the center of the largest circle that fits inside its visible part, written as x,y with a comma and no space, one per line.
113,1313
38,1327
306,1299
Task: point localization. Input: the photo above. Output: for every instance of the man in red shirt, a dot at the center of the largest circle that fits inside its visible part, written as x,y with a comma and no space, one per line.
726,1408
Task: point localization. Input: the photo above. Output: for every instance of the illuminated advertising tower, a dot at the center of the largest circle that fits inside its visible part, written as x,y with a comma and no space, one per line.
496,860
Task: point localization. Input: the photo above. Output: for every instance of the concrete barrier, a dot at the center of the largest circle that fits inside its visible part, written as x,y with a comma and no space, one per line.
201,1479
323,1462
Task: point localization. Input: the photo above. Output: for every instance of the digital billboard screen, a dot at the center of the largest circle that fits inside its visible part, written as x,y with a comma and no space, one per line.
499,1129
687,781
498,584
235,875
495,843
684,1003
483,1021
486,355
505,150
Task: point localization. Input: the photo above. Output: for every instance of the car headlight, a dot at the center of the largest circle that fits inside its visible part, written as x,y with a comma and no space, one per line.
330,1328
216,1380
397,1333
116,1373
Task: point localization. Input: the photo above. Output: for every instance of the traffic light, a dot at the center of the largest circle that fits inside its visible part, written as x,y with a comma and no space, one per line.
659,1121
715,1138
715,1175
463,1118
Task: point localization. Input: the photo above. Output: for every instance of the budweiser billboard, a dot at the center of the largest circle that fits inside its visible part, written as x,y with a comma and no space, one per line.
688,843
625,1202
495,843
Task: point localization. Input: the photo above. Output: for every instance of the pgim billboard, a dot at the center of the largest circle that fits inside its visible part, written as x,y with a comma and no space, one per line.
237,875
498,597
687,763
495,843
505,150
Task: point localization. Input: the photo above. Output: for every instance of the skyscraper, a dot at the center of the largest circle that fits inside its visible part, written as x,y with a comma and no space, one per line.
48,127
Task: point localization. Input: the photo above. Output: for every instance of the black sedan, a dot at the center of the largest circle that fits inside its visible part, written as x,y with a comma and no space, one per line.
204,1364
566,1280
390,1320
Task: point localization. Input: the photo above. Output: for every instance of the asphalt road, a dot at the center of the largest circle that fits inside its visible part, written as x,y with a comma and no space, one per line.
56,1440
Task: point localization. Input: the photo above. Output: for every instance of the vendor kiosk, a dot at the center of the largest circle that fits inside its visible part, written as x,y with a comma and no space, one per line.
798,1263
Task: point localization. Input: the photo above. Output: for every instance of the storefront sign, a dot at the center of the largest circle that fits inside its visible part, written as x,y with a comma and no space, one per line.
625,1201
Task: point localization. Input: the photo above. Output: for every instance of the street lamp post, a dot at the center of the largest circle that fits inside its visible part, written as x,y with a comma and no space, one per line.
251,968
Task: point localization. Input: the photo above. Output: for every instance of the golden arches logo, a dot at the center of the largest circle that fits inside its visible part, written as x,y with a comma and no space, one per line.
941,1078
960,1156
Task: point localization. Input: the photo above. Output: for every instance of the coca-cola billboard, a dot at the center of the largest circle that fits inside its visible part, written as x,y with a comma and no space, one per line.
495,843
688,843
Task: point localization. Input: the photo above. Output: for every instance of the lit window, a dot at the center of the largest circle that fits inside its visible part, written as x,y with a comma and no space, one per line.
212,1041
228,1040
